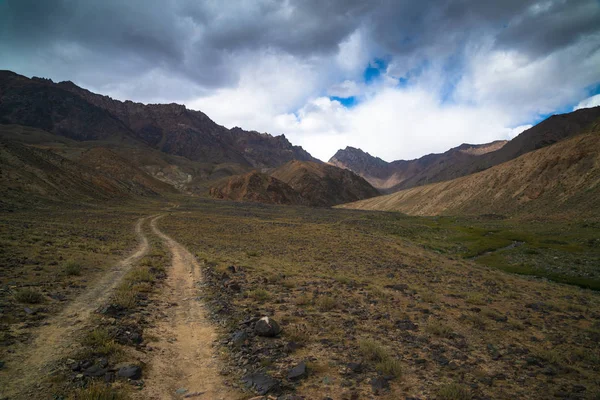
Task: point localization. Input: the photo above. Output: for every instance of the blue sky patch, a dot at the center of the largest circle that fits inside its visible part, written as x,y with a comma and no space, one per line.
373,71
347,102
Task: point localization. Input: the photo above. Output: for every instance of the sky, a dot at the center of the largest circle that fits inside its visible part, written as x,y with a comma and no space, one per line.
397,78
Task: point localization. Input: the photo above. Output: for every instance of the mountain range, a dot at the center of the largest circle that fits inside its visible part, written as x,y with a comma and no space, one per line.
462,160
60,142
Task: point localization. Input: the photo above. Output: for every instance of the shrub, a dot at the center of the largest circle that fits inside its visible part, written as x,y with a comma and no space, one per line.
72,268
326,303
438,328
373,350
476,299
299,333
453,391
390,367
101,341
97,391
125,296
29,296
259,295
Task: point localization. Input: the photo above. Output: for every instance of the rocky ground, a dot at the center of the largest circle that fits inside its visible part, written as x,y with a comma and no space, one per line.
365,314
304,304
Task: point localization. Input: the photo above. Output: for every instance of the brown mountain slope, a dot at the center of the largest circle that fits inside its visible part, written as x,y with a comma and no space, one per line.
465,159
561,178
29,175
109,163
68,110
324,185
256,187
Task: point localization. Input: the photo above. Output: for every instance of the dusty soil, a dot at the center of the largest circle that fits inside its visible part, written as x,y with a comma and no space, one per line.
57,337
183,359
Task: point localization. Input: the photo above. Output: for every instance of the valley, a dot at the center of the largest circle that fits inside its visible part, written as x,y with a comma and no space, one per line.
422,299
147,252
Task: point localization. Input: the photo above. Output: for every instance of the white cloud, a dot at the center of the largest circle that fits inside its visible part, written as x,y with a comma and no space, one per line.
345,89
497,94
593,101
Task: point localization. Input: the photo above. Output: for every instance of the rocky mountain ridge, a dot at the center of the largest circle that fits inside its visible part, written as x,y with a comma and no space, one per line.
465,159
68,110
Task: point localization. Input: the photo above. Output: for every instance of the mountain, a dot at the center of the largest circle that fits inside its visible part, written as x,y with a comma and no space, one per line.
30,175
324,185
67,110
465,159
256,187
296,182
563,178
390,177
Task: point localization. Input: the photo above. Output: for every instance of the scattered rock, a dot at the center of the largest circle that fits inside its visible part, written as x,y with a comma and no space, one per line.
355,367
95,371
406,325
290,347
400,287
267,327
379,384
298,372
239,338
261,382
130,371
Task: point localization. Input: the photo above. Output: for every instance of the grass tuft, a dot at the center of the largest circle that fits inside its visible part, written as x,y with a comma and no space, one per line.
29,296
97,391
390,367
438,328
372,350
72,268
453,391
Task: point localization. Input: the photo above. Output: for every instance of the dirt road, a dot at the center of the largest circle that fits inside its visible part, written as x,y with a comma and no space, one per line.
57,338
184,358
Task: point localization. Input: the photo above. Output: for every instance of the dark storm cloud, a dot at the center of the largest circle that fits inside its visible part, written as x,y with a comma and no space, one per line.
203,44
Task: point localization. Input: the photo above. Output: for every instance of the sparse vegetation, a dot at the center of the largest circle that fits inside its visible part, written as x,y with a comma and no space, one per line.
438,328
101,341
98,391
72,268
390,367
259,294
453,391
28,296
326,303
373,350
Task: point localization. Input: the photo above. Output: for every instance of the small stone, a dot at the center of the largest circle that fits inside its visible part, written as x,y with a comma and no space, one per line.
95,371
355,367
298,372
239,338
262,383
131,371
267,327
379,384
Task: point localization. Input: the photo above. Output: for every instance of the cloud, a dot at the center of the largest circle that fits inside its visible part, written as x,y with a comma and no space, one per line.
453,71
593,101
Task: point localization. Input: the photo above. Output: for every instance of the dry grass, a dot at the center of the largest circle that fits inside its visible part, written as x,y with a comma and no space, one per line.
438,328
72,268
98,391
453,391
28,296
101,342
